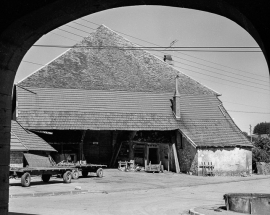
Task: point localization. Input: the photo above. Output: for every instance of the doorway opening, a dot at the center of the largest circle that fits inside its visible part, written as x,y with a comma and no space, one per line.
153,155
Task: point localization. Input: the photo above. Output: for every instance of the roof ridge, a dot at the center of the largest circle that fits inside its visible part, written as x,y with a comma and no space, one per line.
43,66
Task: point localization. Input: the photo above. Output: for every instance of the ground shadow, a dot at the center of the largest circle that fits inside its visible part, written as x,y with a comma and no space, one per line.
15,213
36,183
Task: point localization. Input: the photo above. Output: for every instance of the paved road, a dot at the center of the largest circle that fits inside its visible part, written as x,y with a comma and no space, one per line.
139,193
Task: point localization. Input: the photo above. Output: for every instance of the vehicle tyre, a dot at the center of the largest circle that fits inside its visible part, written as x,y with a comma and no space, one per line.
45,178
84,173
26,179
67,177
75,174
100,173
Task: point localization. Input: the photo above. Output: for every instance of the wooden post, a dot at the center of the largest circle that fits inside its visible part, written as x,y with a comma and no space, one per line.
81,156
114,146
168,158
131,149
177,167
115,157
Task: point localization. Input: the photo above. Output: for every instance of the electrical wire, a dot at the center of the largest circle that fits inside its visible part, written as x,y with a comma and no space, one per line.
248,112
243,104
64,37
175,66
208,66
135,48
179,52
221,78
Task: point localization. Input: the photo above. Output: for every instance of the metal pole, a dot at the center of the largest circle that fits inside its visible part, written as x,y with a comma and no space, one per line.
250,128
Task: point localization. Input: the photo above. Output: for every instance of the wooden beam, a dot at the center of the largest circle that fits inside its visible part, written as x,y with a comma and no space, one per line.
81,155
177,167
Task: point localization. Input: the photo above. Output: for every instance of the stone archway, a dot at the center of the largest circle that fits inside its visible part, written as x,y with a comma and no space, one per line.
23,23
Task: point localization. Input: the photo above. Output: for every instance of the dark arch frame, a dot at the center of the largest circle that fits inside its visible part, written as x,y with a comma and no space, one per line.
24,22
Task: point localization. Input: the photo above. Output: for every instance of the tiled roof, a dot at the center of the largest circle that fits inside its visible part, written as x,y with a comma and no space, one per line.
111,69
109,89
68,120
47,108
27,140
16,144
206,122
203,118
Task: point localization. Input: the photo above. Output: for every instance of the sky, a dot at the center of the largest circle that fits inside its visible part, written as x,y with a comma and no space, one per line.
241,77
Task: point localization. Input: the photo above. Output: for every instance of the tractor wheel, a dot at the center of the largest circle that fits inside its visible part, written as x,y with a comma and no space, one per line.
45,178
100,173
67,177
84,174
26,179
75,174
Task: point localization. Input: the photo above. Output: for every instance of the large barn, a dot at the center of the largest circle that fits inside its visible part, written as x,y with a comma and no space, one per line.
104,100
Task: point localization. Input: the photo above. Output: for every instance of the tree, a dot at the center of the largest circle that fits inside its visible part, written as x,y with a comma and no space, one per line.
262,128
261,150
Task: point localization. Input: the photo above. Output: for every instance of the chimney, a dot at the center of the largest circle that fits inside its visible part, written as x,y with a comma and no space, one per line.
168,59
176,99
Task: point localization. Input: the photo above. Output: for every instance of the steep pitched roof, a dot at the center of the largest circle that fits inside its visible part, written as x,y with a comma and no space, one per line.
50,108
206,122
84,89
24,140
111,69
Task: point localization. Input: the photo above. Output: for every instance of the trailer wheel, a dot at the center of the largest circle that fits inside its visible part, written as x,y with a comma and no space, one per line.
26,179
75,174
67,177
100,173
45,178
85,173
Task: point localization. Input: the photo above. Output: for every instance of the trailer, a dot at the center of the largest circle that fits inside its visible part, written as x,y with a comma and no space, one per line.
25,173
84,168
40,165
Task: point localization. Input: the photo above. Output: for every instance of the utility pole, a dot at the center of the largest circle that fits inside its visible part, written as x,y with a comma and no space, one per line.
250,129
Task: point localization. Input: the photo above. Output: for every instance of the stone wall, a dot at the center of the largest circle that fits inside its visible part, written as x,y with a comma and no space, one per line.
227,161
188,157
263,168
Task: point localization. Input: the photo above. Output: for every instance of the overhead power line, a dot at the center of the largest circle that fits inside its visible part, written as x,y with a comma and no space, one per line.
206,65
192,70
243,104
179,52
248,112
200,63
153,48
216,82
64,36
222,79
225,74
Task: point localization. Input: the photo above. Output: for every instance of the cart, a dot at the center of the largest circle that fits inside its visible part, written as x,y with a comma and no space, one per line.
25,173
40,165
86,168
154,167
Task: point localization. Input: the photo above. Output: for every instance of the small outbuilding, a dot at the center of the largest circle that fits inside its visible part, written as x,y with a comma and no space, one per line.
23,142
